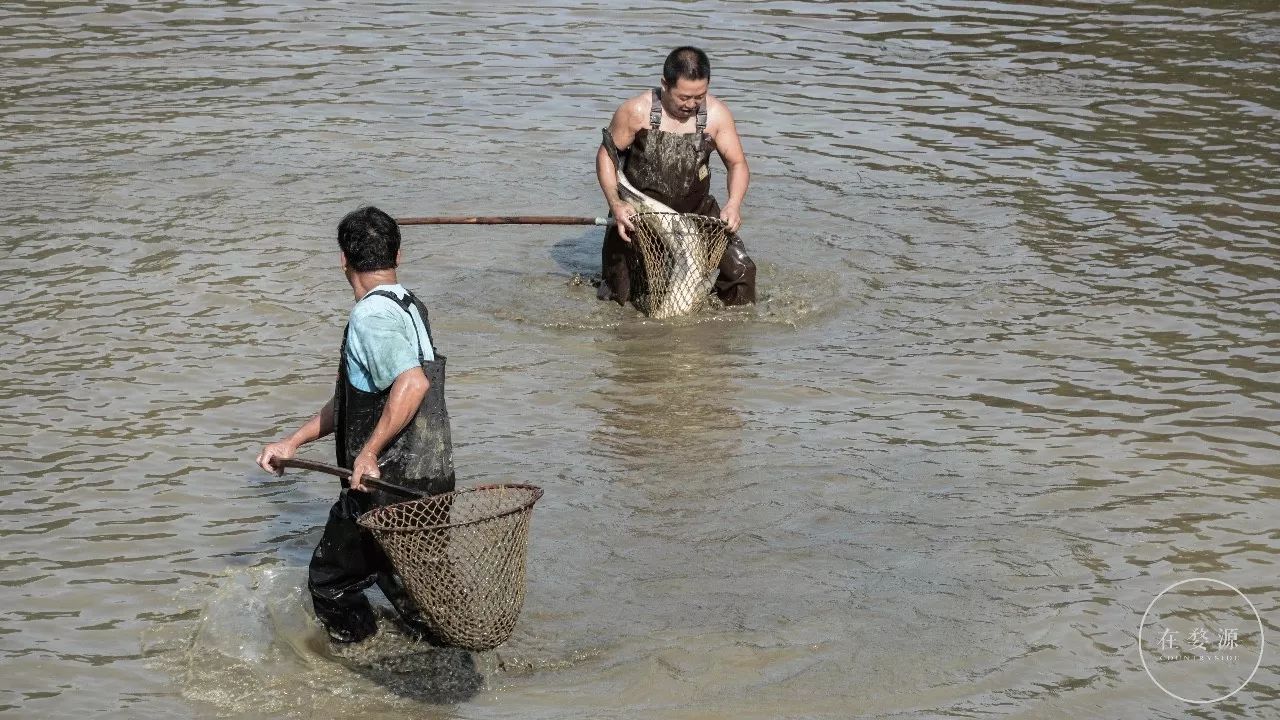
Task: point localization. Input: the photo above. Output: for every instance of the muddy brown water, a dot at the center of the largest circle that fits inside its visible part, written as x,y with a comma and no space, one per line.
1013,372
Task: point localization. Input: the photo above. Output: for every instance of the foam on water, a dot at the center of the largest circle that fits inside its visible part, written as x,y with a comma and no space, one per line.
255,648
252,647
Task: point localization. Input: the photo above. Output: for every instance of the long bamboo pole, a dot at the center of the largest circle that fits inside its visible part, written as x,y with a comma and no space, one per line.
506,220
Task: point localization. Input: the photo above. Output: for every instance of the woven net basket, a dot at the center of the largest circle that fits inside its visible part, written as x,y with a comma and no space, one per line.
462,558
678,252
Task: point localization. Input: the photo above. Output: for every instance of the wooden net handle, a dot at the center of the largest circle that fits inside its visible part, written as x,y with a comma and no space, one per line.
505,220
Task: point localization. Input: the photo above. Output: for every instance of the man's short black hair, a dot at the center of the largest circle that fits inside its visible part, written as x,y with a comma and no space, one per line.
370,239
686,62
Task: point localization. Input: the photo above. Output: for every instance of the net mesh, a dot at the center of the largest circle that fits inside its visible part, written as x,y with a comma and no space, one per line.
462,557
678,252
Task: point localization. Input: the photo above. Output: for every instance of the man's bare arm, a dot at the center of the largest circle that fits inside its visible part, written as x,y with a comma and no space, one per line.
406,395
320,425
607,174
623,130
729,145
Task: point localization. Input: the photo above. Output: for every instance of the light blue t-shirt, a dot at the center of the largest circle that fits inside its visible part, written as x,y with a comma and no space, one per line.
381,342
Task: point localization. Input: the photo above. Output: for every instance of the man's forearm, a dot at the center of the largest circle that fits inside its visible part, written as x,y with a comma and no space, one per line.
320,425
607,175
406,396
739,177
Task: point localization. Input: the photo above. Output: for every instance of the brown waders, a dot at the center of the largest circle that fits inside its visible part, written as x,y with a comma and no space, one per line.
672,169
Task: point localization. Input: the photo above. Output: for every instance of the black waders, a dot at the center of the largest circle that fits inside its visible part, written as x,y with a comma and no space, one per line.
348,560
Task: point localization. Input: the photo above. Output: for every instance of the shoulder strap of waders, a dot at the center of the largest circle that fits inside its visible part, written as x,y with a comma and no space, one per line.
404,304
655,110
702,127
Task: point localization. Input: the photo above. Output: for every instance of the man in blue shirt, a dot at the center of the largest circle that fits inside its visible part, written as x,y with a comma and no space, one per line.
389,416
383,340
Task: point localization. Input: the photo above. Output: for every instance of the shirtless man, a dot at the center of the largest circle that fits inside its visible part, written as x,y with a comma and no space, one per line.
663,139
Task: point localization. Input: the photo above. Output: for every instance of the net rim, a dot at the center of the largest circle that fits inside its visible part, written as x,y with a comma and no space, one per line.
535,494
662,213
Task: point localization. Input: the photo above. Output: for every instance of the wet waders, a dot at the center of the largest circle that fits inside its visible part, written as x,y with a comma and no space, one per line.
347,560
672,169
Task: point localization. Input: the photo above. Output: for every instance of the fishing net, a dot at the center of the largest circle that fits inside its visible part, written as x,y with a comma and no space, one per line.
678,253
461,556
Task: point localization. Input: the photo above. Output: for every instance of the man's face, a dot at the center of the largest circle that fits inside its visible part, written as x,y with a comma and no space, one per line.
681,100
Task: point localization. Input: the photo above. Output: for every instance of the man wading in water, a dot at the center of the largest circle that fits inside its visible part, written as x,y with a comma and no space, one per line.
390,421
663,139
